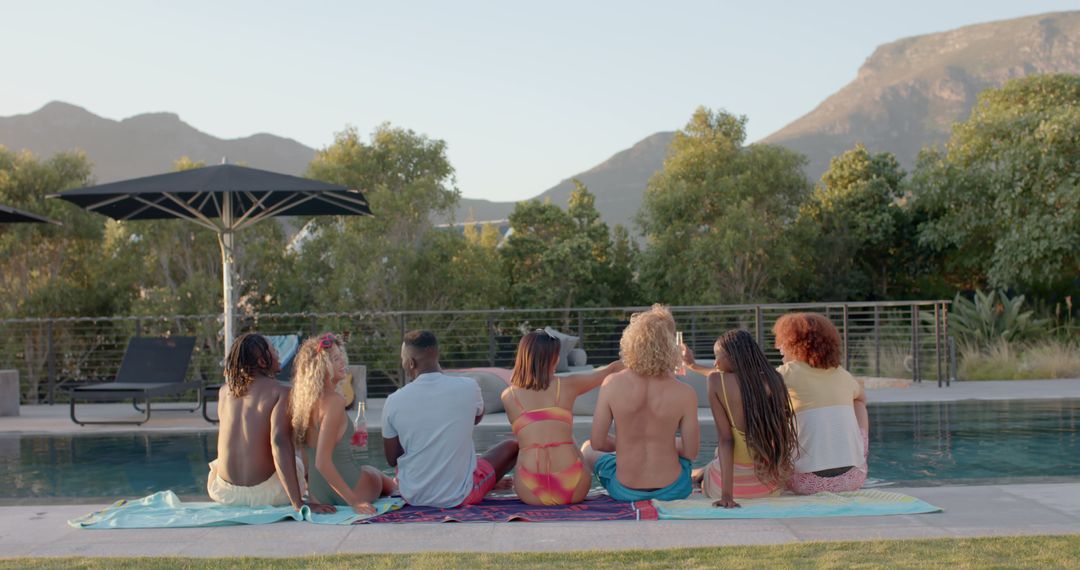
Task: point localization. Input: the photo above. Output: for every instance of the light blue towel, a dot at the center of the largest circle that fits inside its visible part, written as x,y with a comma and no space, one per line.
867,502
165,510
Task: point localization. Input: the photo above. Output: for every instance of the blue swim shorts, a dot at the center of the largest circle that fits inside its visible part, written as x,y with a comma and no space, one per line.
678,489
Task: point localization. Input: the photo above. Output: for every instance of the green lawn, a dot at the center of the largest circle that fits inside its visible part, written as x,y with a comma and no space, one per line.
954,554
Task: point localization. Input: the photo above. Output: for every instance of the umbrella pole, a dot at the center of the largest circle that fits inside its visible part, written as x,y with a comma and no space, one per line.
225,238
226,241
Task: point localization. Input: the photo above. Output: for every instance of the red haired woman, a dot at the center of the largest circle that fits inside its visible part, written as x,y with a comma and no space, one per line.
829,404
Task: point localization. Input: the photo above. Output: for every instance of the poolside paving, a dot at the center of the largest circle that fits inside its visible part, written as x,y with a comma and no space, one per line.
988,510
54,419
995,510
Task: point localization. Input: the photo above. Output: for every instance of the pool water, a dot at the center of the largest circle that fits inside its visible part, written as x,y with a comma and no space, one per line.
924,444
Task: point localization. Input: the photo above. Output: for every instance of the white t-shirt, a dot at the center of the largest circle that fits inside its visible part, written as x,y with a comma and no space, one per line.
433,417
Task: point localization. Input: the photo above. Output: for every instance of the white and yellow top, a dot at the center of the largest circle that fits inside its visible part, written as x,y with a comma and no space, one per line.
823,400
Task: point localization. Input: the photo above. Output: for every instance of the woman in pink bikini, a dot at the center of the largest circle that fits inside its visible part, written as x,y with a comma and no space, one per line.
550,470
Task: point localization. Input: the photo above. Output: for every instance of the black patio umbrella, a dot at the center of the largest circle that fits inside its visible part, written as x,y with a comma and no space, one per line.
9,215
225,198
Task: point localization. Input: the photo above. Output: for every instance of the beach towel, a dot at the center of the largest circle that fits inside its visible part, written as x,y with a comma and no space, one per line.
600,508
165,510
867,502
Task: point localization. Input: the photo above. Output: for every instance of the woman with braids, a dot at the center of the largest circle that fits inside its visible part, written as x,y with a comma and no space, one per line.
754,421
256,463
830,406
322,429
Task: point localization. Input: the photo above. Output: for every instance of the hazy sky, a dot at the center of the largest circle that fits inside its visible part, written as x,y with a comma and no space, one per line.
525,94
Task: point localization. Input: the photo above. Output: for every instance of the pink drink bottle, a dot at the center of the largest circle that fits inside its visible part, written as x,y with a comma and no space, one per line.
360,432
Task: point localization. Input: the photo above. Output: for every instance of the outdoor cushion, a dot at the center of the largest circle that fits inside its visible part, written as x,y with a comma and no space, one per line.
566,344
578,357
699,383
491,388
585,404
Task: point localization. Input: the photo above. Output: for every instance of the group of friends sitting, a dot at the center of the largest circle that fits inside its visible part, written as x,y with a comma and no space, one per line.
802,427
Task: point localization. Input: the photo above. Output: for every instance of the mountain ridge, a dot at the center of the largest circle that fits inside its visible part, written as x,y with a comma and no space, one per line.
906,95
143,144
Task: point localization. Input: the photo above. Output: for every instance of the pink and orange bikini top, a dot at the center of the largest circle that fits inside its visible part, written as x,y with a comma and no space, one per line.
550,413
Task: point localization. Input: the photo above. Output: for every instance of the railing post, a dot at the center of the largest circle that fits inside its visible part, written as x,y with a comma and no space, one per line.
401,339
950,374
937,342
581,327
759,327
877,341
491,341
847,353
314,328
138,328
915,374
51,357
952,358
693,330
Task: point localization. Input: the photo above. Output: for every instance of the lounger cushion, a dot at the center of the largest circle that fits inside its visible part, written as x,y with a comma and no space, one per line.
700,384
585,404
491,388
567,343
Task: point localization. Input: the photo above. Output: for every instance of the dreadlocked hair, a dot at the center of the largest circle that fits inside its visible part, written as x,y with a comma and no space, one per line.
771,434
249,355
314,365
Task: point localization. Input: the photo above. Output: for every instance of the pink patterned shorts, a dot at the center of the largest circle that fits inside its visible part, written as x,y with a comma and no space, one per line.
808,483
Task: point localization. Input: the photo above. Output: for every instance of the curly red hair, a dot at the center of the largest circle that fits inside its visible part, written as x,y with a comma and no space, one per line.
810,338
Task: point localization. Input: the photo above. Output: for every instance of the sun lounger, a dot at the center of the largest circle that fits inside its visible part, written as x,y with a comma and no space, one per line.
152,367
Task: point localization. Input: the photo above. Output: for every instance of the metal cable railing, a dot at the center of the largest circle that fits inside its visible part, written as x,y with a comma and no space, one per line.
901,339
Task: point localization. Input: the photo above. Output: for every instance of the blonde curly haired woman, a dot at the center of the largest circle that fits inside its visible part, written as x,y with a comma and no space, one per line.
649,408
323,430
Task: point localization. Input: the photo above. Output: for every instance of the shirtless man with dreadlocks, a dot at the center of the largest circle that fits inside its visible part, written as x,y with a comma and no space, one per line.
256,463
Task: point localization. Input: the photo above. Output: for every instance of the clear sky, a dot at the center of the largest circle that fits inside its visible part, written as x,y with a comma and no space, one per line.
524,93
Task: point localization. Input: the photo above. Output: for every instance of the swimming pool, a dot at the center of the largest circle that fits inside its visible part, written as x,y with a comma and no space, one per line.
926,444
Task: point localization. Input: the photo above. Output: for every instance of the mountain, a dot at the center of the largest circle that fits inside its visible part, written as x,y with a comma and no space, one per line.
618,183
144,144
905,96
909,92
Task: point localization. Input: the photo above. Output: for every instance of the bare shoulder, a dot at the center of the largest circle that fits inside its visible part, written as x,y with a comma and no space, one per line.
280,390
333,400
683,389
619,377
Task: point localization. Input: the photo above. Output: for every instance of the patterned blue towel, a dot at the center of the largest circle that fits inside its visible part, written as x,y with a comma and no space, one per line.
165,510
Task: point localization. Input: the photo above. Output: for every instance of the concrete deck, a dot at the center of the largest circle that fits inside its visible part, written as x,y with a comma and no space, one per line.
992,510
969,511
54,419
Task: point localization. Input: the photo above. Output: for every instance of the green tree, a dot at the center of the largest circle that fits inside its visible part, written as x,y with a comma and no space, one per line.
717,216
565,258
48,270
1002,199
395,260
857,226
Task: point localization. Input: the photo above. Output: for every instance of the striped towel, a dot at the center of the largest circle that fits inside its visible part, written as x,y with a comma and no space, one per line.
866,502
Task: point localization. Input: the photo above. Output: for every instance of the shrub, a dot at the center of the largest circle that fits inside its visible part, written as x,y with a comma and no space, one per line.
1047,359
990,318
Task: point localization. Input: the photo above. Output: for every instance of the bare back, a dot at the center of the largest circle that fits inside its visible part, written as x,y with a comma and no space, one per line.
648,413
245,455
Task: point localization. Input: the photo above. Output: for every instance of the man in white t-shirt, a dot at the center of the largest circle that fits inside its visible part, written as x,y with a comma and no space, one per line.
427,433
